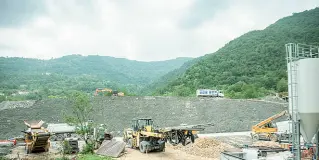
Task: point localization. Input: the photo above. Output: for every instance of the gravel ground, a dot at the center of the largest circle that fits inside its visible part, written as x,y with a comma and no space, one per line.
16,104
205,147
117,112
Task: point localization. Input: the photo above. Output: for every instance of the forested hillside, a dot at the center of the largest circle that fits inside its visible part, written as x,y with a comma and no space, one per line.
253,64
169,77
82,73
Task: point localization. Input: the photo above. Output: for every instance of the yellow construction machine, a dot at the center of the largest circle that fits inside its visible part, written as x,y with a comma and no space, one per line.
36,137
113,92
142,135
266,129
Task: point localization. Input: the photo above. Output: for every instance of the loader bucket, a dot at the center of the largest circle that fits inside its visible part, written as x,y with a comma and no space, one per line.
34,124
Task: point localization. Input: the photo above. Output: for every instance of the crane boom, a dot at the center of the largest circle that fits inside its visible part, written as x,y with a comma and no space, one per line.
270,119
265,129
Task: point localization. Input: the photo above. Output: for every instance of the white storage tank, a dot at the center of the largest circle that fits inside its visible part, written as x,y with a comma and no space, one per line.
308,97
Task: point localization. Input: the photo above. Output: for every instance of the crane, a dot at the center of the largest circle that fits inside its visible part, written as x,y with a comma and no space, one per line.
265,129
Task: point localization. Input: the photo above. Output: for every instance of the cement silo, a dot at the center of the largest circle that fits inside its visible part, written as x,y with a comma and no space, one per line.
303,90
308,97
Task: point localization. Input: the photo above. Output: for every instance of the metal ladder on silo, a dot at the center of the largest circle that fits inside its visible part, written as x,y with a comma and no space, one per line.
292,51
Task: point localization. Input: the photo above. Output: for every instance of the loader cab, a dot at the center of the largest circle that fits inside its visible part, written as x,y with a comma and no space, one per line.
145,124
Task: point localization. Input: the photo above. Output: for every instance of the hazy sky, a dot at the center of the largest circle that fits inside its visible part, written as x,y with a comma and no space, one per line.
144,30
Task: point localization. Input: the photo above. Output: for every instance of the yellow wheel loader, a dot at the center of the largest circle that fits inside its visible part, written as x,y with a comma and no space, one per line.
143,136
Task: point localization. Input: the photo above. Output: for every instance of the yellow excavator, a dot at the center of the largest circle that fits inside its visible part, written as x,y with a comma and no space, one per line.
266,129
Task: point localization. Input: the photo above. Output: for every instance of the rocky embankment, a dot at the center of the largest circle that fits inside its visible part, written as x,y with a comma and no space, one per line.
117,112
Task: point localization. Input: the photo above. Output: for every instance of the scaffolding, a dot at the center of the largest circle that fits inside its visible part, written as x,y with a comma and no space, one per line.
295,52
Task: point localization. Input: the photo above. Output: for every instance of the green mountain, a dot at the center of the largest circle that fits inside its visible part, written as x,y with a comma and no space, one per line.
160,83
251,65
84,73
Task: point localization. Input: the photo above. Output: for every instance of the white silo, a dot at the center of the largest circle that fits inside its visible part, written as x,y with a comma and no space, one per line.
308,97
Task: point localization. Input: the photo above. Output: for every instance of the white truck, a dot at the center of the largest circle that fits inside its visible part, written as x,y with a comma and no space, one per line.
209,93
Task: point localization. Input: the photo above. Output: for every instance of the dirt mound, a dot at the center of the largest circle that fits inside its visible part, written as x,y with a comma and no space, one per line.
204,147
16,104
266,144
117,112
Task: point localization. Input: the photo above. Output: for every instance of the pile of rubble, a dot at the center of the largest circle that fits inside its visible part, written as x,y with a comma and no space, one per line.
16,104
231,115
266,144
204,147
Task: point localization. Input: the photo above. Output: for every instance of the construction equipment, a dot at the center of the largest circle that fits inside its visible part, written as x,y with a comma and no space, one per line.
283,95
143,135
93,134
60,131
99,135
112,92
183,133
70,145
266,129
36,137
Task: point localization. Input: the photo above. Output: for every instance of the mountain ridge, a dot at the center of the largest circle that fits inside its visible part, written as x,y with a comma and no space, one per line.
82,73
252,65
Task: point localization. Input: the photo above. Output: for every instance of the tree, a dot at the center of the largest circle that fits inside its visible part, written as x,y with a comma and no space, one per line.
2,98
282,85
81,109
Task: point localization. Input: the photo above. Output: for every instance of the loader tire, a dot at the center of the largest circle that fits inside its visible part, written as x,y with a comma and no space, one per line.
184,141
162,147
143,146
193,138
27,149
130,143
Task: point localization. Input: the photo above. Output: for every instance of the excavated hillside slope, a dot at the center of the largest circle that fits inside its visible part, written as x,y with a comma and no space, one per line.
117,112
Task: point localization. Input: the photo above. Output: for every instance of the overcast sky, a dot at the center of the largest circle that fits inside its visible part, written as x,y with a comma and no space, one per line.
145,30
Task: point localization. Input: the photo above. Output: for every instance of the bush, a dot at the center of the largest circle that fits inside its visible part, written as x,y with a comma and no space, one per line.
66,148
243,90
88,149
2,98
282,85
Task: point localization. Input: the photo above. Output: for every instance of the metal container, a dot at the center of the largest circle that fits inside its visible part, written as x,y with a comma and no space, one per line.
308,97
61,128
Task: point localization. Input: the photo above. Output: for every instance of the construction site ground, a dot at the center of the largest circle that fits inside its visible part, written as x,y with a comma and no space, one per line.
207,146
227,115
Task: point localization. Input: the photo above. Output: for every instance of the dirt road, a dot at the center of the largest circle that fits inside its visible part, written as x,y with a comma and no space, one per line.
132,154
